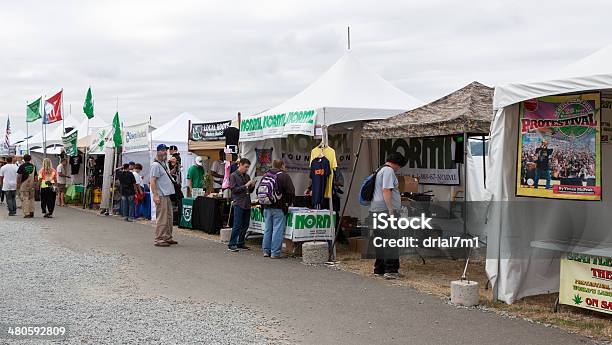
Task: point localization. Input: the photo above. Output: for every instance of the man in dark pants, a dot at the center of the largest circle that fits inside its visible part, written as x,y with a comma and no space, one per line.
242,186
387,200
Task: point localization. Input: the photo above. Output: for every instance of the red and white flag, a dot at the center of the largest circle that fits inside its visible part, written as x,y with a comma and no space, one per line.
53,108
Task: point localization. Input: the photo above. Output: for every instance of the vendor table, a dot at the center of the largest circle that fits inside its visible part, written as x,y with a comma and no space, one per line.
303,224
74,193
206,214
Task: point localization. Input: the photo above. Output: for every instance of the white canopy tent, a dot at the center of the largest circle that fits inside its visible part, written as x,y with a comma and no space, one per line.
516,266
344,96
173,132
348,92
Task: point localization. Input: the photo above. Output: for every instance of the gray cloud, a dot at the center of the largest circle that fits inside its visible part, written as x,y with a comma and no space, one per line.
216,58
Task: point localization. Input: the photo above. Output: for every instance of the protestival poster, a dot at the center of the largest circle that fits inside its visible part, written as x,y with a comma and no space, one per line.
559,148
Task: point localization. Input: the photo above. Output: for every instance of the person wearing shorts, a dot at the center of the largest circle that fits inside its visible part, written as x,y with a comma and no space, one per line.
62,176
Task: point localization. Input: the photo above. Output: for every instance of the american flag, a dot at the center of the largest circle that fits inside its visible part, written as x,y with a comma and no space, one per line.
7,139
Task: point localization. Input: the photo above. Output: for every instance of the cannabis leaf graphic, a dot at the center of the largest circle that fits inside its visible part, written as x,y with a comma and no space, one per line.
577,299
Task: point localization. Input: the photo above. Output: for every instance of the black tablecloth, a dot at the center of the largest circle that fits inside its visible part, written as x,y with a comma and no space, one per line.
208,214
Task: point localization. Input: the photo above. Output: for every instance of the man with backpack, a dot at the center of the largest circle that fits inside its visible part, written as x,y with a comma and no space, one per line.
386,199
275,194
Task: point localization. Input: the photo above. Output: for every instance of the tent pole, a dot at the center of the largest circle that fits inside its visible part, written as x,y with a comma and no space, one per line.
484,162
346,199
113,176
465,182
85,165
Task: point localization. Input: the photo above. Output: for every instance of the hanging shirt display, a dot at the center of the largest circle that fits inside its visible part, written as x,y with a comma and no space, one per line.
320,171
75,164
330,154
232,135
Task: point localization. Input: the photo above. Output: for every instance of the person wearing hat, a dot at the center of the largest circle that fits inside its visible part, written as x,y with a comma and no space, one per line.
162,188
195,175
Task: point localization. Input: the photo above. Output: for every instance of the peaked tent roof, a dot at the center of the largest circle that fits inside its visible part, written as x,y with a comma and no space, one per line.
592,72
175,131
467,110
347,92
55,131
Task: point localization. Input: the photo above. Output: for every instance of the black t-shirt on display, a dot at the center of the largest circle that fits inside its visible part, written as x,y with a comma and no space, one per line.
75,164
127,180
25,170
232,135
319,171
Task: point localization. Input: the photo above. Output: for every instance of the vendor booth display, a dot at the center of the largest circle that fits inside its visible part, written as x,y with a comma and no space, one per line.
336,103
546,145
434,139
330,110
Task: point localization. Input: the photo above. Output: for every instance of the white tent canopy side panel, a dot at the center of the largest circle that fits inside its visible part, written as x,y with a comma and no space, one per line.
349,92
515,268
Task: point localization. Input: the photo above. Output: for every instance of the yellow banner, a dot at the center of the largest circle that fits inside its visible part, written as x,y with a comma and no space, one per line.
586,282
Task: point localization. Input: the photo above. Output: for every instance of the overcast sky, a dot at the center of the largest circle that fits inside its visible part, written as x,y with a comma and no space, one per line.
213,59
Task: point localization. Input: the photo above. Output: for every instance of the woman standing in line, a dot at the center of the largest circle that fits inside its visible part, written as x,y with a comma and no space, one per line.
48,182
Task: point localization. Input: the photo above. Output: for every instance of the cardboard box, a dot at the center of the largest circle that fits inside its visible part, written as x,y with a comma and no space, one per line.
357,244
360,245
408,184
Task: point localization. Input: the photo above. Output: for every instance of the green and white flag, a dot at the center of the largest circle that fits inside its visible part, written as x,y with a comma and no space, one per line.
88,107
33,111
99,137
69,140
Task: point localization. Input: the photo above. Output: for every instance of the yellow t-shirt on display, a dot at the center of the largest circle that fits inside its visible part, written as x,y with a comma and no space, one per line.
330,154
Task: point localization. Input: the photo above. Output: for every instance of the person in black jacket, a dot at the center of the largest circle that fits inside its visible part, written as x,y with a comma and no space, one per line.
275,215
241,186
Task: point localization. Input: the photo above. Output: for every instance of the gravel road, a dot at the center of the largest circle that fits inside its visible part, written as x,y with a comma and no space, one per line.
91,293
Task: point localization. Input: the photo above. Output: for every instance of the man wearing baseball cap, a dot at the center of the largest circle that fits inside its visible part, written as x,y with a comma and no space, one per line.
162,187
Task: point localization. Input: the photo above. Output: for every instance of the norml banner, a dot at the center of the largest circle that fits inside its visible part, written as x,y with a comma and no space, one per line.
69,142
559,147
136,138
278,125
429,159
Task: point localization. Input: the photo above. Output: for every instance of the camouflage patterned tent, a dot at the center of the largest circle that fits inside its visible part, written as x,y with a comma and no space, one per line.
467,110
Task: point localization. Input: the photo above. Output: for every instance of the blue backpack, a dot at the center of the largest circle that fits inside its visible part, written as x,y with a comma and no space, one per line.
366,192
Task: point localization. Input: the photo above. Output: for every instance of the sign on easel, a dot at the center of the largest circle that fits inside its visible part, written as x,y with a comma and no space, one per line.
586,282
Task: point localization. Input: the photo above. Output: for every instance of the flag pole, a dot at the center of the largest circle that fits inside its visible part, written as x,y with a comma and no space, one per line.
114,172
27,131
87,141
44,127
63,114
